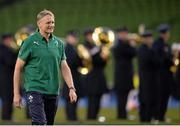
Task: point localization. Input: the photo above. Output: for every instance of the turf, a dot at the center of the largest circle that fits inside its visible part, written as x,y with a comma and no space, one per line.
109,113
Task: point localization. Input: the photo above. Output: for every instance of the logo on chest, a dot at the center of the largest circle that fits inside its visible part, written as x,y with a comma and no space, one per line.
56,43
35,42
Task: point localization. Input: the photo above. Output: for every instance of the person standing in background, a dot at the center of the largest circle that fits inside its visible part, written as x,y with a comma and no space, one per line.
74,62
165,76
123,53
147,64
95,81
7,63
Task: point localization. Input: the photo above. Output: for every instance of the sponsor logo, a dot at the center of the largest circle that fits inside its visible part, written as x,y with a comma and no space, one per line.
36,43
30,98
56,43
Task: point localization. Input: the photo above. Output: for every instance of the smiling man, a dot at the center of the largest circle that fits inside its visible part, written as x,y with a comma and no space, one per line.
40,59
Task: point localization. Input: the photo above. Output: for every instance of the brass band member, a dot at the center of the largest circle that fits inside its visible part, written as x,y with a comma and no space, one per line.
165,76
95,80
74,62
147,64
123,53
7,63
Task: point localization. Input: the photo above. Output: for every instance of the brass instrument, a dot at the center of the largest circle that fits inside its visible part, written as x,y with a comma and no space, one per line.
23,33
86,59
136,37
102,37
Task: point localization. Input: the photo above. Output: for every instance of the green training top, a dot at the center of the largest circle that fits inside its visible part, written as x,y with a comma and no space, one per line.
43,59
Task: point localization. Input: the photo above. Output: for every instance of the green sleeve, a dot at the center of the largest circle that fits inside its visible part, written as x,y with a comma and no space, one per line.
24,51
63,53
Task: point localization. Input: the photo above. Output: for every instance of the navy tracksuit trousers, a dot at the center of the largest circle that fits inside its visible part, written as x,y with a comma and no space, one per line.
42,107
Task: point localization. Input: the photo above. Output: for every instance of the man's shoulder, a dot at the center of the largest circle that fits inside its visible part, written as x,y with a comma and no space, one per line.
143,46
158,42
60,40
3,48
28,41
1,45
32,37
143,49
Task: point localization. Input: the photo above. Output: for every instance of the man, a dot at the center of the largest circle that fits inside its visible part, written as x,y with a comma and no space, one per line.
7,64
95,80
148,78
165,76
123,52
40,58
74,63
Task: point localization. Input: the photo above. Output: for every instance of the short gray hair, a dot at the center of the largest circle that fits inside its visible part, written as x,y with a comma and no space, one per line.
43,13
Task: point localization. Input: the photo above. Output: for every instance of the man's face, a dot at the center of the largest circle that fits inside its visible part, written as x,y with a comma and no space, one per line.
148,40
167,35
46,24
72,39
89,37
123,35
8,41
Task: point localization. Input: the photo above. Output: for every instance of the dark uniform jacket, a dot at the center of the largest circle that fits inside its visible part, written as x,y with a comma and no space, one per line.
147,61
165,76
123,54
74,62
7,64
95,80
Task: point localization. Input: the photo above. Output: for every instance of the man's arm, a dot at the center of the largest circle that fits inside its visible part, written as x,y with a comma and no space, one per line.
17,82
66,73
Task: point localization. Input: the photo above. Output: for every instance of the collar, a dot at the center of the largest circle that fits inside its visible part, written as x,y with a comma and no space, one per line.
40,36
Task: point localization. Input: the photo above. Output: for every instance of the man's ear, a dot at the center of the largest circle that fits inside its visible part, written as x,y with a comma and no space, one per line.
38,23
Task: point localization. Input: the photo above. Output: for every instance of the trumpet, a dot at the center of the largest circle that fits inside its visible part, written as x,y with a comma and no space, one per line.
135,37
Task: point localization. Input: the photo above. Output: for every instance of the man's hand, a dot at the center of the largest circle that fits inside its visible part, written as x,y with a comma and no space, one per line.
72,96
105,53
17,100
